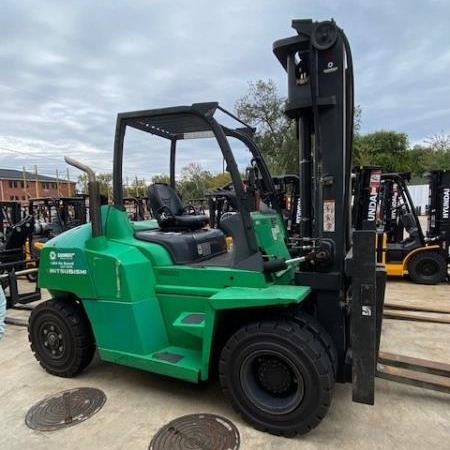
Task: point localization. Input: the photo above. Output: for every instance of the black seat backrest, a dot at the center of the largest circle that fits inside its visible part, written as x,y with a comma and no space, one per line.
162,196
168,210
409,222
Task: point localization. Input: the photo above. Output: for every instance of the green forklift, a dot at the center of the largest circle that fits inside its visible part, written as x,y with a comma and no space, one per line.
166,295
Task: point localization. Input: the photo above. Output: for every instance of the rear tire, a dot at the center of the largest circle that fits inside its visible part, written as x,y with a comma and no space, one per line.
427,268
278,376
61,337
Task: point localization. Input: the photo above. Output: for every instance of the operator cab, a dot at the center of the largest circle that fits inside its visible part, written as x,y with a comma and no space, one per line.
399,218
182,231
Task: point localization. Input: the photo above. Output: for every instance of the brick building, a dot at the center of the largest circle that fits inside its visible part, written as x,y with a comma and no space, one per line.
17,185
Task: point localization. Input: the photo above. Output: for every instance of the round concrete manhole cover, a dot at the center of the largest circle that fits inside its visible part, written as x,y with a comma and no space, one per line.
65,409
197,432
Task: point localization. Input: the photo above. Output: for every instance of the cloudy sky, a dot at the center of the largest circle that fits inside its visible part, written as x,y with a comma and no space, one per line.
68,67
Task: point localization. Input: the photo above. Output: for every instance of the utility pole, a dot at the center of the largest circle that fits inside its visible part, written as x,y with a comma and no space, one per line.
24,177
58,187
137,184
69,193
36,182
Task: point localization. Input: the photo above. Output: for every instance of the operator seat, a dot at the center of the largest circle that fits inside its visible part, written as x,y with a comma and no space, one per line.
398,250
182,234
168,210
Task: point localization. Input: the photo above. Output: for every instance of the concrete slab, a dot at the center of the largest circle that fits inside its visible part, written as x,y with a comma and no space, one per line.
139,403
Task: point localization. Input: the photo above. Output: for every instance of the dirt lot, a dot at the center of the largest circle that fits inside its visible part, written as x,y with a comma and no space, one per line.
140,403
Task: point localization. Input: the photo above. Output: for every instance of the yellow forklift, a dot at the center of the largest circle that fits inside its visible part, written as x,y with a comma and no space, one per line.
403,247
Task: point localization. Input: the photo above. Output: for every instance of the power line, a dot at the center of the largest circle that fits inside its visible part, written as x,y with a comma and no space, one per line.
9,86
34,155
101,169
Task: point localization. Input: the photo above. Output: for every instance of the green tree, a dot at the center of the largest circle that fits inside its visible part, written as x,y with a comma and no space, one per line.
263,108
136,188
439,142
193,181
105,182
217,181
162,178
357,120
387,149
439,147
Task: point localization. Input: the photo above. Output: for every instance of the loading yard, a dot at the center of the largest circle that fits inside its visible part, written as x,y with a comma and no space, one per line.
139,403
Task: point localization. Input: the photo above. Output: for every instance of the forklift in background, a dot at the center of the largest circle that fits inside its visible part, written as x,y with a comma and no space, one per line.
16,262
54,215
391,202
136,208
222,202
13,249
10,214
438,211
167,296
405,249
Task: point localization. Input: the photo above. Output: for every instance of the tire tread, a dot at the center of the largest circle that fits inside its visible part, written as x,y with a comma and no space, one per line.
80,329
303,334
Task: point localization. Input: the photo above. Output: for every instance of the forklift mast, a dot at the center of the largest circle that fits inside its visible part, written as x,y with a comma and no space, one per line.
366,192
320,100
319,69
389,212
439,206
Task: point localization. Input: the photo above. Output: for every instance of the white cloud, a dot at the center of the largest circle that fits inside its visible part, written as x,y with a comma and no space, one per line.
69,67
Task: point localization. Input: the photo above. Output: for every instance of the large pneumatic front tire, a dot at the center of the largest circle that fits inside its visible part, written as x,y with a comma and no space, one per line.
308,322
61,337
427,268
278,376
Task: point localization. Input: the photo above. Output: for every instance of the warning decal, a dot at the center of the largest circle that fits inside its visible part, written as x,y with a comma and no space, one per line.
329,216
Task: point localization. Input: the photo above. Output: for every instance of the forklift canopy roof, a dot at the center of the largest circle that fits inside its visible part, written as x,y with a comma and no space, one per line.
181,122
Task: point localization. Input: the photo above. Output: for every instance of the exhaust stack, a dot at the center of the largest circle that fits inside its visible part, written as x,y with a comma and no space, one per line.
94,195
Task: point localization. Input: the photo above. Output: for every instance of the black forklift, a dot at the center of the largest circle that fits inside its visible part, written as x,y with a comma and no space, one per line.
16,262
222,201
54,215
10,214
137,208
404,247
438,211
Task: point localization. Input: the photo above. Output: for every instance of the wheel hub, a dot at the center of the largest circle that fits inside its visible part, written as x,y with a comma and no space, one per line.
274,375
52,339
272,381
428,268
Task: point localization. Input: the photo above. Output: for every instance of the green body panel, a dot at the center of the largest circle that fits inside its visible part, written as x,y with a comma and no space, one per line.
125,327
57,271
232,297
188,368
270,234
139,302
142,225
